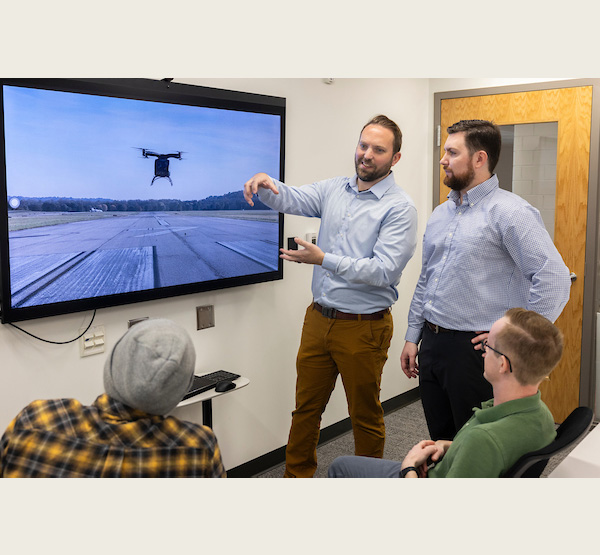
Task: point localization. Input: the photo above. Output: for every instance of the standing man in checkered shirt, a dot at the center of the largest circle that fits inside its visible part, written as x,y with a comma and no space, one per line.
485,251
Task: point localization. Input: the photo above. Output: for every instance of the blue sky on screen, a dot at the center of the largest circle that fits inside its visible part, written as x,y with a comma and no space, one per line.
85,146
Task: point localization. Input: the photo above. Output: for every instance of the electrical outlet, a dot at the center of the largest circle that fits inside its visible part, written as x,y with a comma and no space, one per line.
93,342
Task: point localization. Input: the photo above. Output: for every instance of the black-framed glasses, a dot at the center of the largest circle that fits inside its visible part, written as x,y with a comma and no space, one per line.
485,346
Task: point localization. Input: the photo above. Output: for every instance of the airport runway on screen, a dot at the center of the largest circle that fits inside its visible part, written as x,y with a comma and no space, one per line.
134,252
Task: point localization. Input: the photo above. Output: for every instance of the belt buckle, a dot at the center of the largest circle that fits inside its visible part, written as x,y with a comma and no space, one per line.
436,328
328,312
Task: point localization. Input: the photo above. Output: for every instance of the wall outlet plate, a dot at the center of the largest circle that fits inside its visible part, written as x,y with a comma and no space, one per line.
93,342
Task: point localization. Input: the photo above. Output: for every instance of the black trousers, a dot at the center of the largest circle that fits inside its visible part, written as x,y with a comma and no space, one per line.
451,381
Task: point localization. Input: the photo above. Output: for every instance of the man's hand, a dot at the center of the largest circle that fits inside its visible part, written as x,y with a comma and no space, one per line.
481,336
408,359
261,180
310,254
418,456
441,445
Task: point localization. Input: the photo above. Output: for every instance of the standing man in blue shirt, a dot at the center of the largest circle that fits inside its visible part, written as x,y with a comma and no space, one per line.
367,235
485,251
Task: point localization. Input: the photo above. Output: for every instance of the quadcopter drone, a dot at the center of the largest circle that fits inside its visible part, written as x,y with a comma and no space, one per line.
161,164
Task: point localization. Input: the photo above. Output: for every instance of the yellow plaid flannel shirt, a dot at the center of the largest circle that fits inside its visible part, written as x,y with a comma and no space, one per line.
62,438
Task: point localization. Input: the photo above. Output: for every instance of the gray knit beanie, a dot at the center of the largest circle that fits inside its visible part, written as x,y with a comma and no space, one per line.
151,367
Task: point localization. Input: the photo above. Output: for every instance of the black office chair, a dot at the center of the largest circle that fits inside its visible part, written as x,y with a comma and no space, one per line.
531,465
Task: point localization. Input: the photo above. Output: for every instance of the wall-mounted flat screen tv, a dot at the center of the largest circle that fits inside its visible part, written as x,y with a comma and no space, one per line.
116,191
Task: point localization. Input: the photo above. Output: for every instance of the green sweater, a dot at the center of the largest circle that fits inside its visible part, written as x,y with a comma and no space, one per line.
496,437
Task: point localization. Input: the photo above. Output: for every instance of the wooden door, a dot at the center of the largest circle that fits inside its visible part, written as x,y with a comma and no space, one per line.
571,108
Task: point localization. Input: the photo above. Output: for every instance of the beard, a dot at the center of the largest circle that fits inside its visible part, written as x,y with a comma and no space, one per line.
460,182
371,174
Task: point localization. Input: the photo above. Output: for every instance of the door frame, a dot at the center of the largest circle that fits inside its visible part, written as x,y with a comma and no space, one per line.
591,305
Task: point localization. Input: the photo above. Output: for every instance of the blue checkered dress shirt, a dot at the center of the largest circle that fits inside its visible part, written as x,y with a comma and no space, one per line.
483,256
367,237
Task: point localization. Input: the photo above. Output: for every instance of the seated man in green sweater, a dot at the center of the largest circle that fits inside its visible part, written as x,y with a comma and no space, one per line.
521,350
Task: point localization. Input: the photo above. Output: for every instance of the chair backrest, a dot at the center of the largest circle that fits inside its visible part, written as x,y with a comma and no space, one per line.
531,465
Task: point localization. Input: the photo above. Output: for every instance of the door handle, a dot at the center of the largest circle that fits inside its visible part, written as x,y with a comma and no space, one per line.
573,277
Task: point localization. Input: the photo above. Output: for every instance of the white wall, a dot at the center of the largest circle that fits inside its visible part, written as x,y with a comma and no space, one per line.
257,327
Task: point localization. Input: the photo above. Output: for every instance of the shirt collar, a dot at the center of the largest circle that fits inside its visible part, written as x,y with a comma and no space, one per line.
478,192
115,410
489,413
379,189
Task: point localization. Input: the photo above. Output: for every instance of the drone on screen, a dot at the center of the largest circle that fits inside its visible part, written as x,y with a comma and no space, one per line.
161,164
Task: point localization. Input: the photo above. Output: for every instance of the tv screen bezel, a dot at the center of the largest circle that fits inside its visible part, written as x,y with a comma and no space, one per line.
165,91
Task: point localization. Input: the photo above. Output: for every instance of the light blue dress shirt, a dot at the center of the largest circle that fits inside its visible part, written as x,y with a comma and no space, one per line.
482,257
367,237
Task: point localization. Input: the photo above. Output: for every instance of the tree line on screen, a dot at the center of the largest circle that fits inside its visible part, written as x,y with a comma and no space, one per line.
229,201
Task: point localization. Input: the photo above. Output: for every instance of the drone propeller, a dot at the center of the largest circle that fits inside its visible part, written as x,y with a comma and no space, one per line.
146,152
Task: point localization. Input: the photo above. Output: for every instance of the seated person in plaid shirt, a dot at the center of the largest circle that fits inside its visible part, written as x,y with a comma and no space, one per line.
125,432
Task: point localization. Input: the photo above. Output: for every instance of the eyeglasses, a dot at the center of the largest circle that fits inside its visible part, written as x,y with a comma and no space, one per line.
485,346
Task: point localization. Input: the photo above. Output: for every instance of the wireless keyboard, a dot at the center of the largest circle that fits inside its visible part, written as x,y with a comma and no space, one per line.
209,381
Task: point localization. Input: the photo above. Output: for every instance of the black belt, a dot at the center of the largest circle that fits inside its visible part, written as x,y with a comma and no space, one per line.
438,329
329,312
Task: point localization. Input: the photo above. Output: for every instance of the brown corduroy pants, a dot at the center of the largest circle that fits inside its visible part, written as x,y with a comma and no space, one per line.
355,349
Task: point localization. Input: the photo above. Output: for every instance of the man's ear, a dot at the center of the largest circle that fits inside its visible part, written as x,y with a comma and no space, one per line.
395,158
480,159
504,365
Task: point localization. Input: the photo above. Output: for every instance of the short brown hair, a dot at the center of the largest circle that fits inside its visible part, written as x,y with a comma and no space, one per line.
533,344
386,122
480,134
